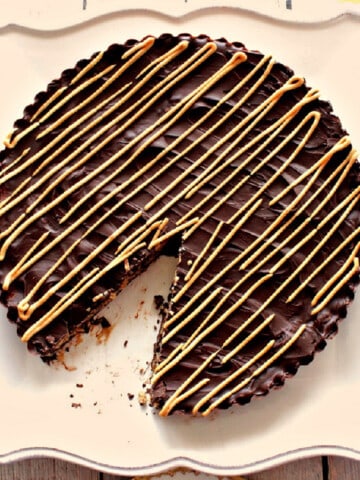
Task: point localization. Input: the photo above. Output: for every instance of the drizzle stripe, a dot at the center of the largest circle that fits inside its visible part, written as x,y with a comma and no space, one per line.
76,292
337,287
233,376
316,170
263,109
216,251
259,370
237,259
337,275
177,397
328,259
267,302
203,252
282,122
171,55
60,198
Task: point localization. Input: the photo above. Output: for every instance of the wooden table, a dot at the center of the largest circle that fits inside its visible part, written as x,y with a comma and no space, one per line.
317,468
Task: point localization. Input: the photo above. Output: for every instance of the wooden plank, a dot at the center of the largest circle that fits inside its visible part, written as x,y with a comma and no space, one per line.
44,468
309,469
107,476
178,474
343,469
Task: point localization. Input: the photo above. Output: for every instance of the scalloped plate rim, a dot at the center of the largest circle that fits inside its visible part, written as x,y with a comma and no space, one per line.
349,10
165,466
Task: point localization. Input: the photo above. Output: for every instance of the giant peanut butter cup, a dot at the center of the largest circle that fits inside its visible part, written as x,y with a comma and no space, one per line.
198,149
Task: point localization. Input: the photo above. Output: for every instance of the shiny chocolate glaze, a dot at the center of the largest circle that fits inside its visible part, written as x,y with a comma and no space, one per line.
81,314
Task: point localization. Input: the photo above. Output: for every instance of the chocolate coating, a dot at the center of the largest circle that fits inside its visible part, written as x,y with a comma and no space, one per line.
82,312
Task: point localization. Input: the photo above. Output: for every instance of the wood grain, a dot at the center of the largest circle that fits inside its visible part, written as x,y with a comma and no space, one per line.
106,476
46,469
310,469
343,469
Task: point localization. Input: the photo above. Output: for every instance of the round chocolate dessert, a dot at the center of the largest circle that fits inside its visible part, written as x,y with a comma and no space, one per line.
194,148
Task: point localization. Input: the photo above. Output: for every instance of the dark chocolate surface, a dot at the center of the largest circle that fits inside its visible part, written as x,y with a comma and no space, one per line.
49,341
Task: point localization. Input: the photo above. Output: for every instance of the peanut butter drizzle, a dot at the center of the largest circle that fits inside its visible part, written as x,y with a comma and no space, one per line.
139,238
339,286
71,95
161,239
180,139
171,55
336,276
218,204
191,316
82,286
257,372
215,253
292,276
144,46
87,68
171,355
9,277
256,115
232,377
203,252
48,102
15,140
58,105
58,92
233,62
25,310
177,397
133,53
215,78
315,116
228,135
13,163
93,174
263,109
185,104
281,124
237,259
247,177
265,278
268,230
54,142
143,170
283,227
331,257
340,145
316,170
200,333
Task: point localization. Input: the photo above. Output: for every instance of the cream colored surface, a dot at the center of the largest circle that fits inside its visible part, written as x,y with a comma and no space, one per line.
315,412
36,14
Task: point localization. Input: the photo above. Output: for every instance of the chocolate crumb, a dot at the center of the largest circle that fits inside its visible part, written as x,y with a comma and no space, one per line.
142,398
126,343
76,405
79,385
130,396
105,322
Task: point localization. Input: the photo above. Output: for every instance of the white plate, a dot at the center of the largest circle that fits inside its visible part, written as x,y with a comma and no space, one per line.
46,411
36,14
